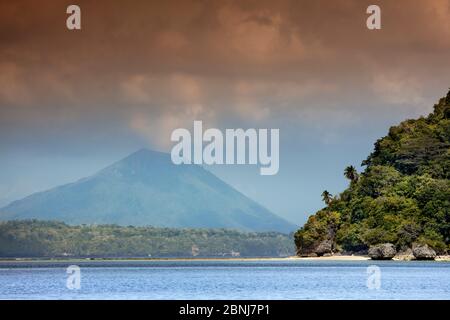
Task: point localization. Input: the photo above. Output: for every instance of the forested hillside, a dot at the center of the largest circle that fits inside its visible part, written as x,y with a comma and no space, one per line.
33,238
402,197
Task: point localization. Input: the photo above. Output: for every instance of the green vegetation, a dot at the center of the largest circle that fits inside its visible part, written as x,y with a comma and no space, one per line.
327,197
33,238
402,197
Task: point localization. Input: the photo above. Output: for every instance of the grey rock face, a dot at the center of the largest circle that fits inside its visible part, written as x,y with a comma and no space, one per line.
384,251
325,247
423,252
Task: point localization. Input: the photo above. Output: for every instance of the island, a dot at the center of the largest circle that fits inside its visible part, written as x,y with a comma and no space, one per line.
399,206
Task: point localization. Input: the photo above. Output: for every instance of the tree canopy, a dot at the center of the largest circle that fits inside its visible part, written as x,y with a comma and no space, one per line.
402,196
34,238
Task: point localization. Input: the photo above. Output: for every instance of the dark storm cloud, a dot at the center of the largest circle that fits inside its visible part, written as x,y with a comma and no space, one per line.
148,67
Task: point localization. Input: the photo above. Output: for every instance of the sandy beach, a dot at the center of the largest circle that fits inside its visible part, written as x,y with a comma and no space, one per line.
290,258
335,258
444,258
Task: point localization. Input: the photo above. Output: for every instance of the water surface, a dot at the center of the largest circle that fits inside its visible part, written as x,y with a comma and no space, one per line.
265,279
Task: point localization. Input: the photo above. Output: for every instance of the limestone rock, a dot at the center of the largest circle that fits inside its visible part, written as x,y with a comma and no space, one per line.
325,247
423,252
384,251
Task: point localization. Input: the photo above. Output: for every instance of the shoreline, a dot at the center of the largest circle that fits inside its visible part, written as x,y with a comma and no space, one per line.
237,259
337,258
289,258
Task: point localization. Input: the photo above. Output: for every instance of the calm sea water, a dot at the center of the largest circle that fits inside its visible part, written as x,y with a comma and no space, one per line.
226,280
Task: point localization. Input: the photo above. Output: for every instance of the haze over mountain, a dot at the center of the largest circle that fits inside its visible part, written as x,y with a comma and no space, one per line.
146,188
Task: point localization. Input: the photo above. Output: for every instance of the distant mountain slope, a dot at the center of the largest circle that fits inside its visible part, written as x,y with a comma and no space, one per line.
145,188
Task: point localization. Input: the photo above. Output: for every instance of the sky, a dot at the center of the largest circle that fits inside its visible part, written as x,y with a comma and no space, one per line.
74,101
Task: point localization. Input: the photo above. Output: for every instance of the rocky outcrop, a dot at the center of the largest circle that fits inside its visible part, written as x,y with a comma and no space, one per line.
319,238
319,249
384,251
325,247
423,252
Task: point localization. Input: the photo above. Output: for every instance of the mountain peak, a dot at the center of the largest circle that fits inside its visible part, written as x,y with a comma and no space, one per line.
142,160
146,155
144,152
146,188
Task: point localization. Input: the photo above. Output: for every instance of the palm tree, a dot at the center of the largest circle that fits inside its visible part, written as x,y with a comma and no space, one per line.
326,197
351,174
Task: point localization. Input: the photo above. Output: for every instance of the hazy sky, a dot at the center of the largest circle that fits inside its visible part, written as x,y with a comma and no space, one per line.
72,102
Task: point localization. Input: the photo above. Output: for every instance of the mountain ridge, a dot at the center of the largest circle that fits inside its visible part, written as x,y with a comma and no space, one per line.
145,188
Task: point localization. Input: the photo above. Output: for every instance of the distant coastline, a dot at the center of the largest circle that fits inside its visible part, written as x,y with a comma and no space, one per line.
445,258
